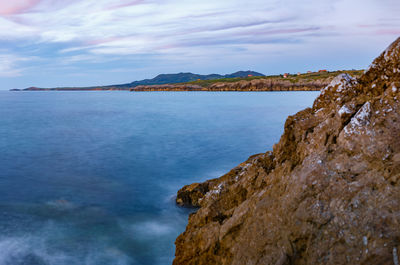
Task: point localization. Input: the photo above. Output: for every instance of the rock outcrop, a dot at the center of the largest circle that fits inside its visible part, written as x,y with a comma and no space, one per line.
328,193
270,84
168,87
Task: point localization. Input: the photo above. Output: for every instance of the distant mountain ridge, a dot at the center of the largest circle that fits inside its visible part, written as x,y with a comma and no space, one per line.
158,80
188,77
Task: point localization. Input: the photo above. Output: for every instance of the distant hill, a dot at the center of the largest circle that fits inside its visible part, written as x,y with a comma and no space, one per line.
158,80
184,78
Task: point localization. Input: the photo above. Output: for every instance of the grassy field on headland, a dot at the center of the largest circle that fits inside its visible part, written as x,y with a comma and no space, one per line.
300,82
293,78
288,82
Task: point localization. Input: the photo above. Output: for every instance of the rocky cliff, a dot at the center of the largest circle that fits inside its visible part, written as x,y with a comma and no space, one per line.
168,87
328,193
270,84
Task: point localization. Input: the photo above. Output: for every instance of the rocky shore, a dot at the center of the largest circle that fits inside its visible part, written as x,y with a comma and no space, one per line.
271,84
168,87
239,81
328,193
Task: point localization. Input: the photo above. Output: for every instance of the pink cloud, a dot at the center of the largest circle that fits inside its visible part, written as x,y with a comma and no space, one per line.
101,41
388,32
128,3
17,6
280,31
366,26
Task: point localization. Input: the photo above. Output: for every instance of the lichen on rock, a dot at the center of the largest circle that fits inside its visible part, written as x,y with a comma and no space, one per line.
328,193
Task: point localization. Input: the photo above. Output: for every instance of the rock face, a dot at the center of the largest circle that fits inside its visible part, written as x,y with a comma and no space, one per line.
168,87
328,193
271,84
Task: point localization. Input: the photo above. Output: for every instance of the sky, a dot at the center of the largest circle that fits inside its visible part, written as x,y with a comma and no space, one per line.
53,43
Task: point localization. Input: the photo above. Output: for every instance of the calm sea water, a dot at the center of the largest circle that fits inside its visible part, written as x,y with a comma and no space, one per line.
89,177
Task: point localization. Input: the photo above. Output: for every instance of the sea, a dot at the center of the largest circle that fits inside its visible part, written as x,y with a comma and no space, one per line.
91,177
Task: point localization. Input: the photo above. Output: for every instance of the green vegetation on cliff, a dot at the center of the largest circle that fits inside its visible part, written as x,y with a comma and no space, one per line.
195,82
287,82
293,78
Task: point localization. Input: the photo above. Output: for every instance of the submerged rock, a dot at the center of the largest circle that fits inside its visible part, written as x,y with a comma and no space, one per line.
328,193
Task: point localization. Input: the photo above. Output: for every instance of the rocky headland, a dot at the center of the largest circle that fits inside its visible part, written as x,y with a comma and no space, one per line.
238,81
271,84
168,87
328,193
314,81
162,79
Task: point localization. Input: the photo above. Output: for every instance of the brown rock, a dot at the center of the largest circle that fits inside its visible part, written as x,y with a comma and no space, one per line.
271,84
168,87
329,193
190,195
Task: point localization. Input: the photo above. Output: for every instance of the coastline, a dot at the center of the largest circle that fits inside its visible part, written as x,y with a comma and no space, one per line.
304,82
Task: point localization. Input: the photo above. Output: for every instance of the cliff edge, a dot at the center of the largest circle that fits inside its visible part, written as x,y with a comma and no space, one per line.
261,84
328,193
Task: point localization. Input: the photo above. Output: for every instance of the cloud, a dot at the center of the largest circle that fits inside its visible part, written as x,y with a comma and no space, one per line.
174,32
9,66
12,31
16,6
137,26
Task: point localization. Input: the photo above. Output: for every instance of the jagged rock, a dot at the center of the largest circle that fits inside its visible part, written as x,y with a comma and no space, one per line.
190,195
329,193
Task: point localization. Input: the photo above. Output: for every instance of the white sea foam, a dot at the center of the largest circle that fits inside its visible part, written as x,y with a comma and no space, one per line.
27,250
38,249
150,228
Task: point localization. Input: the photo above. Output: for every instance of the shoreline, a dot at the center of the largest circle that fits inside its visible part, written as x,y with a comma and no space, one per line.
303,82
242,91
